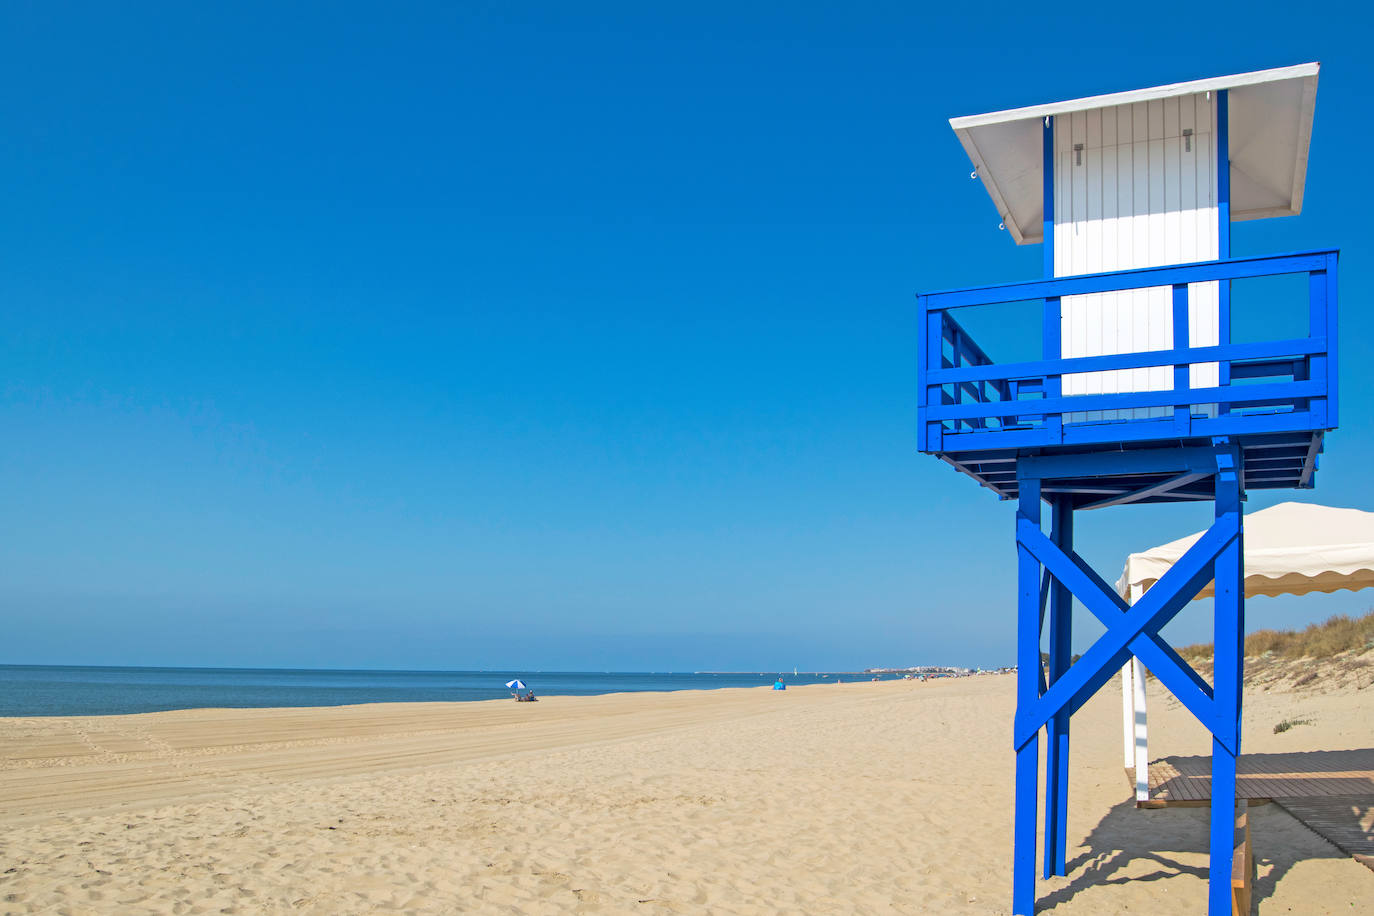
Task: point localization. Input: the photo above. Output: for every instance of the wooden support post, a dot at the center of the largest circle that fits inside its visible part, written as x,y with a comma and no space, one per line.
1223,146
1054,384
1317,288
1242,864
1229,636
1057,729
934,394
1132,639
1182,379
1052,326
1027,693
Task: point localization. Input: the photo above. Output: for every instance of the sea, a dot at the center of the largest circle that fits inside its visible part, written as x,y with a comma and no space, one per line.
59,690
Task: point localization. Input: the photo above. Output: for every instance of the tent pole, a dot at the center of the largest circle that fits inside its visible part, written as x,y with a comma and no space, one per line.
1127,718
1142,743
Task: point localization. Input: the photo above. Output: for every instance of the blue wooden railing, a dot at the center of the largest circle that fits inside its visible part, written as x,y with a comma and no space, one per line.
969,402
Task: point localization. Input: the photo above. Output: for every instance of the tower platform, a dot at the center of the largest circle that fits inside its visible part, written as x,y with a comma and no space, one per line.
1274,399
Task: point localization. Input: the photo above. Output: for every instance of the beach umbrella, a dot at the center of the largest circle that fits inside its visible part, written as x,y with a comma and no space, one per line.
516,684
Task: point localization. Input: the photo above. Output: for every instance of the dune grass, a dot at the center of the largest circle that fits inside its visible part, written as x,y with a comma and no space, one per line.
1341,633
1286,724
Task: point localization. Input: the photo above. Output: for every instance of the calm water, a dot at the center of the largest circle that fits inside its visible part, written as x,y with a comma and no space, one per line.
33,690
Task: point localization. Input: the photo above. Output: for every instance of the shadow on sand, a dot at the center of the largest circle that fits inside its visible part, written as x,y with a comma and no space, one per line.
1174,840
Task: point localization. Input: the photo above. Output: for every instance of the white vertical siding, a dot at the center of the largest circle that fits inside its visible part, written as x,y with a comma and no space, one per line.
1131,190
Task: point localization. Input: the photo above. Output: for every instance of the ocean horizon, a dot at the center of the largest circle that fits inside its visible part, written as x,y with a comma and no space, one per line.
94,690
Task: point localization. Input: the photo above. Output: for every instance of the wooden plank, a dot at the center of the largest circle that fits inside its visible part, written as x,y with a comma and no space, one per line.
1323,774
1346,822
1242,866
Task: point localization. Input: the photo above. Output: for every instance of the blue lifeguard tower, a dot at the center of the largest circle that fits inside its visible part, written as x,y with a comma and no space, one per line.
1138,394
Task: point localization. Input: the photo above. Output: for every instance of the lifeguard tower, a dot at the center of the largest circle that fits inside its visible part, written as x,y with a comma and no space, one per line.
1138,393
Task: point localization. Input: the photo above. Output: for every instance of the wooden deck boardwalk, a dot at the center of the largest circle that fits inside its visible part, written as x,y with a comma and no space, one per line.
1346,822
1261,778
1330,792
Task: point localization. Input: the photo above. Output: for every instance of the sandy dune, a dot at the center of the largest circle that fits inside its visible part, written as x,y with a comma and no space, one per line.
852,798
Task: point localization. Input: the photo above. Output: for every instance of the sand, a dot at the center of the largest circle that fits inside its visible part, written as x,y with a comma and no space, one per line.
893,797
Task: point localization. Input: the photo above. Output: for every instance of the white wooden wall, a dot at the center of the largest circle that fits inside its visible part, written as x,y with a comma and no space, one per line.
1139,193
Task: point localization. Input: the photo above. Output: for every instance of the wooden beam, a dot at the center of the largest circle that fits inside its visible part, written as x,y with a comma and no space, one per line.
1159,489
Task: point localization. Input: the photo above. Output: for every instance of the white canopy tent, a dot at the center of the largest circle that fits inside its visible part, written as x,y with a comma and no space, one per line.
1290,548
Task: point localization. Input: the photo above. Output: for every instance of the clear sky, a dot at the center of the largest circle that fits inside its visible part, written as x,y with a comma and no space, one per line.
555,335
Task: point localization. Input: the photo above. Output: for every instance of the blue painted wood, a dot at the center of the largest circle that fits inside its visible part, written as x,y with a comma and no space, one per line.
1002,439
981,405
992,421
1046,580
1049,701
972,404
923,374
1053,383
1268,368
1331,362
1108,607
1317,317
1135,496
1118,464
1279,393
990,371
1279,457
932,430
1047,191
1183,413
1027,692
1223,144
1222,830
1179,585
1229,637
1140,278
1300,421
1077,489
1057,729
1309,462
1051,328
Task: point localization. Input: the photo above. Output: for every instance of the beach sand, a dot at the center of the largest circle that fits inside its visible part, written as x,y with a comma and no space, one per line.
892,797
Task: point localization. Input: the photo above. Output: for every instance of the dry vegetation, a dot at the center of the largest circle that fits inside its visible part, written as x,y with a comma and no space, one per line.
1338,653
1320,640
1286,724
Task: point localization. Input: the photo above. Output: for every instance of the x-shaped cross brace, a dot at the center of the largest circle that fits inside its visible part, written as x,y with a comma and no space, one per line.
1130,630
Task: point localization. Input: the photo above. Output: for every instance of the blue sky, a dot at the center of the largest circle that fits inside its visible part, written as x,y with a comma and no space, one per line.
548,335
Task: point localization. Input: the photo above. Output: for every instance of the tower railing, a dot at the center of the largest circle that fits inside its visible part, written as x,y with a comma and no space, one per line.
968,402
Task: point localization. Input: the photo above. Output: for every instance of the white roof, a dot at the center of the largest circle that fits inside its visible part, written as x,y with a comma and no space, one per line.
1291,548
1271,127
